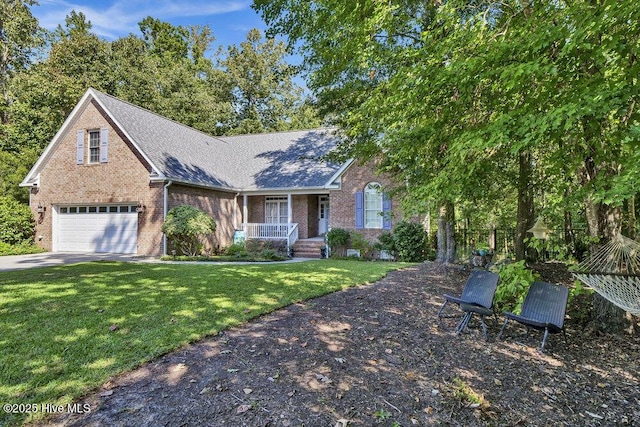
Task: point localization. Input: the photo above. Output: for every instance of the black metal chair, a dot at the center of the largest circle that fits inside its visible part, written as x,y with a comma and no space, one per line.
477,297
543,309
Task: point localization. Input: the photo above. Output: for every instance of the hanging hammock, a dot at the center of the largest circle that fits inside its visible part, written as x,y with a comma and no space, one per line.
613,271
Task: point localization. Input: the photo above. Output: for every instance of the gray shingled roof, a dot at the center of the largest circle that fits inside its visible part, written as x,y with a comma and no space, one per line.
283,160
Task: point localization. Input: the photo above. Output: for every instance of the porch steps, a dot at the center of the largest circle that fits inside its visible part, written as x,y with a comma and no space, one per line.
308,248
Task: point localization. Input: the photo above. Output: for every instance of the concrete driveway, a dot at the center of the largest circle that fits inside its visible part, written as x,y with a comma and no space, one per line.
47,259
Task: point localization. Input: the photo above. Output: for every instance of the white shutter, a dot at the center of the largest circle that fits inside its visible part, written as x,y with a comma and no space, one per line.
104,145
80,147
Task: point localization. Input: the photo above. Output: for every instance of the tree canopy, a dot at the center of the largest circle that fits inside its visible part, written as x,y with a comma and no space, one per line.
171,70
481,100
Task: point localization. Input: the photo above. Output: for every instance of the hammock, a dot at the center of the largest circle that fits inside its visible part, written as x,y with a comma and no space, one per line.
614,272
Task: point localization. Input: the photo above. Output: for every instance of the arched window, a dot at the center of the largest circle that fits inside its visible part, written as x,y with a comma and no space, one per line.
373,205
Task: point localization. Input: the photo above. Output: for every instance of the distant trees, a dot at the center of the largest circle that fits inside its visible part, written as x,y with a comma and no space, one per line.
167,69
264,95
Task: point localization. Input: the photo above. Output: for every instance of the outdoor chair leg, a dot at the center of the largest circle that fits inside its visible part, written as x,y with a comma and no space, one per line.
463,323
564,334
484,328
442,308
544,339
503,327
460,325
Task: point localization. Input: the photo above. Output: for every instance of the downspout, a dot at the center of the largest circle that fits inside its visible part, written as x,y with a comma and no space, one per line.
235,211
164,215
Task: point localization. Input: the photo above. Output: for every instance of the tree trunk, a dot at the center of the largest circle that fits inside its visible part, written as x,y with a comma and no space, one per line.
609,317
446,233
569,232
451,233
631,209
525,204
605,222
442,240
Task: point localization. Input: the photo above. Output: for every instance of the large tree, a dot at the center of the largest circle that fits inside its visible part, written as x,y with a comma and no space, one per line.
456,95
20,34
265,96
20,39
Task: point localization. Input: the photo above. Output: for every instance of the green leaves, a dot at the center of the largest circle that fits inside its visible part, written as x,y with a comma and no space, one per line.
263,93
449,94
16,222
515,279
185,226
241,90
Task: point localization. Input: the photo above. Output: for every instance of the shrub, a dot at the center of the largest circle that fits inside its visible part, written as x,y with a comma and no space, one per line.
236,250
338,239
360,243
19,249
185,226
515,279
410,241
254,246
580,304
16,222
270,254
258,247
385,242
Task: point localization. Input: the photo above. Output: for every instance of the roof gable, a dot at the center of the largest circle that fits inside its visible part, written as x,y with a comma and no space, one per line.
283,160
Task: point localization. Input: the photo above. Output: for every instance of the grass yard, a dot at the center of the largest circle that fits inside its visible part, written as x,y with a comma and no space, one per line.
66,330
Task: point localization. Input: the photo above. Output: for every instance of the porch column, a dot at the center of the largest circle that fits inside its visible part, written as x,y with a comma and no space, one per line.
289,209
245,211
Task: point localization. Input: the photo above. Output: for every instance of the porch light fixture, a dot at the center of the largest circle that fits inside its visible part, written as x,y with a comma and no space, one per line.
41,208
140,208
539,230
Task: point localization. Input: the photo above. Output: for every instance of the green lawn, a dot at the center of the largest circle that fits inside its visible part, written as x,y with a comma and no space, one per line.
56,342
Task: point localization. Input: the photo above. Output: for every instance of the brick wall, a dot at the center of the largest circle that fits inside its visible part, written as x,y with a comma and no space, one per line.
300,214
124,179
222,206
343,201
312,215
255,209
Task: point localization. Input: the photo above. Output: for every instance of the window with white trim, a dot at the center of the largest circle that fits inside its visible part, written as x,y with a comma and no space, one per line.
276,210
94,146
373,205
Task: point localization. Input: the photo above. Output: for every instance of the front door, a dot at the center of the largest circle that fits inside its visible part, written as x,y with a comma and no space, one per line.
323,215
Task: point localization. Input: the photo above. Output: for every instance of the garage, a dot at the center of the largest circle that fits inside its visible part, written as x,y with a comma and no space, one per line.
90,228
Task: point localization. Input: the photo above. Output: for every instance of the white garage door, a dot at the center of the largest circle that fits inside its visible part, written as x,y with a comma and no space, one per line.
96,229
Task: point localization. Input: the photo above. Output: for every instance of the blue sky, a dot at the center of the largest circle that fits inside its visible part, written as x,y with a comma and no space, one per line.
230,20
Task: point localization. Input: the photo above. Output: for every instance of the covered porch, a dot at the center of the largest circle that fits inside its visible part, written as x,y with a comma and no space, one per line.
285,217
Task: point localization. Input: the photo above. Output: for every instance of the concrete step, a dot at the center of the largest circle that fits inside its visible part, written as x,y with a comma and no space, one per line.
307,248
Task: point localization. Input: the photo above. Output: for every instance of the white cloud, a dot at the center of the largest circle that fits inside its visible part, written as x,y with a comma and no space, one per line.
113,19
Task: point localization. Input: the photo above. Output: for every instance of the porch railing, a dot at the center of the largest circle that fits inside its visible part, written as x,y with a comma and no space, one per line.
287,232
292,237
267,231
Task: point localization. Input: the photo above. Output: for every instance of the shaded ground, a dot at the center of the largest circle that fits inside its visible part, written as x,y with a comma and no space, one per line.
376,355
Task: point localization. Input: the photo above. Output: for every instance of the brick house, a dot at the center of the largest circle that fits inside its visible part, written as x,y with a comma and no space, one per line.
110,174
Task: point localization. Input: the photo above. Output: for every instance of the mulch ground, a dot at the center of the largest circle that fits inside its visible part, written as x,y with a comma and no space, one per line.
377,355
